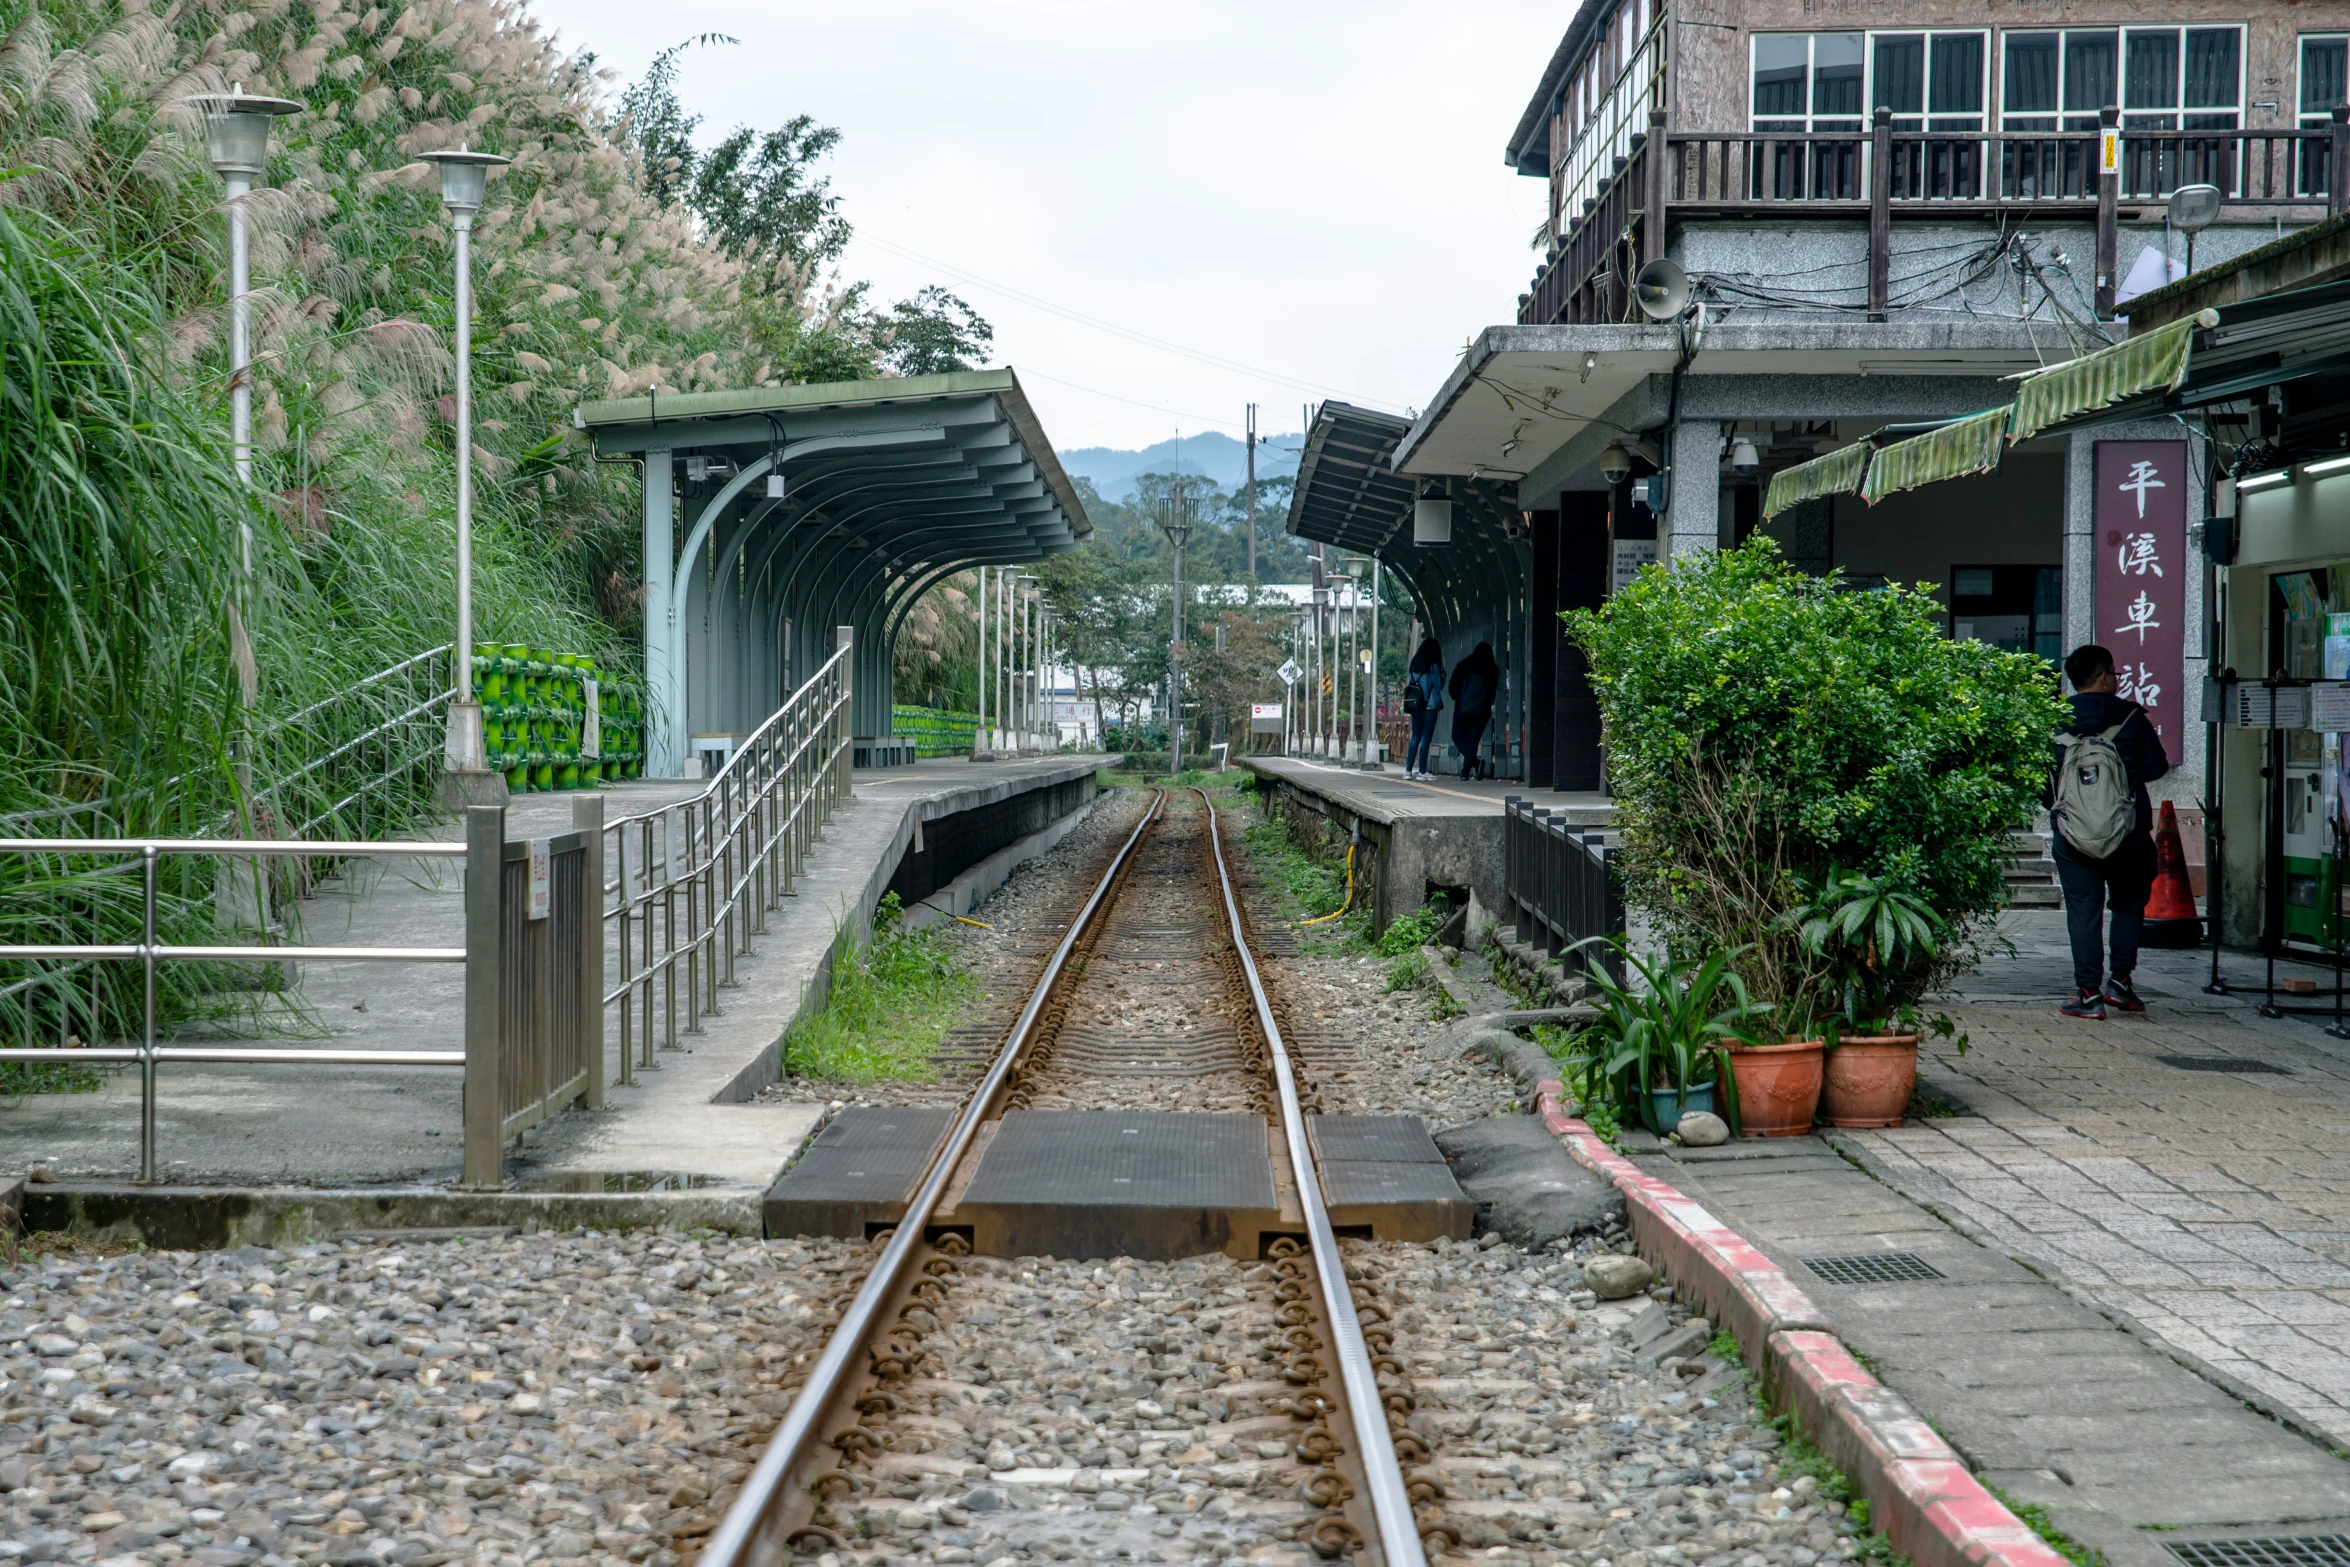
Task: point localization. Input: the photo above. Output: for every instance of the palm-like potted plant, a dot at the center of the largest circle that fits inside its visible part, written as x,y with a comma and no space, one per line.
1657,1048
1874,949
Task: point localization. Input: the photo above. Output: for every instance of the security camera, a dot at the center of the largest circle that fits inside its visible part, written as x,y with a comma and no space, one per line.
1743,457
1615,464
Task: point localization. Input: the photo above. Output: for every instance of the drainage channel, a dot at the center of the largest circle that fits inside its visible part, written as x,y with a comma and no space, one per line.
1140,1139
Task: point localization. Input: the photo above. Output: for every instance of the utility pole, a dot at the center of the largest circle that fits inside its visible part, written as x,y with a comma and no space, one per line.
1176,525
1252,492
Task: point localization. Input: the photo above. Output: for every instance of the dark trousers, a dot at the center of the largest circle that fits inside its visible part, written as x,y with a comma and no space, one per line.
1468,732
1415,755
2119,882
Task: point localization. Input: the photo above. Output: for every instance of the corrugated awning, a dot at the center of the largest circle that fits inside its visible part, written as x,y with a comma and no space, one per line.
2154,362
1969,445
1837,473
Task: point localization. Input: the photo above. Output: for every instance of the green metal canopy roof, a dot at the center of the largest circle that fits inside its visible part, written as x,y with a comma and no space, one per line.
960,405
890,486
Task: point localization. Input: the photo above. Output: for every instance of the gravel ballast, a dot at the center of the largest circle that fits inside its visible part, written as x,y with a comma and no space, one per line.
596,1398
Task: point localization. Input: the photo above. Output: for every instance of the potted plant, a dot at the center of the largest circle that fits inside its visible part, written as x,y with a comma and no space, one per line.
1874,949
1762,722
1656,1049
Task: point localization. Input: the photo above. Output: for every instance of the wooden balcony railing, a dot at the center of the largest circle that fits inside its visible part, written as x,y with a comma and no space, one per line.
1884,173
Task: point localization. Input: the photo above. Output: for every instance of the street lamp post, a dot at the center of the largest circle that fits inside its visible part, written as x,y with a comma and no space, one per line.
464,178
236,138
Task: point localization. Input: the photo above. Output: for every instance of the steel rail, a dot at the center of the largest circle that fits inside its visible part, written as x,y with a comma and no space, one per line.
742,1538
1391,1504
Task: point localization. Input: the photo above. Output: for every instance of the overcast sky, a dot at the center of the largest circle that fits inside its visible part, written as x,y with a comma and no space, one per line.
1311,195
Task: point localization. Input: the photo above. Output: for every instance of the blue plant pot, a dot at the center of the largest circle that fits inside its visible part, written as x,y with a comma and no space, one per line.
1669,1106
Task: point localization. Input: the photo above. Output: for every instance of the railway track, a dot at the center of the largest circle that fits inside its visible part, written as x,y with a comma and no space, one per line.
1149,1034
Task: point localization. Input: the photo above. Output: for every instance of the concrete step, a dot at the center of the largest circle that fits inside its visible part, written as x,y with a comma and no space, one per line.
2035,895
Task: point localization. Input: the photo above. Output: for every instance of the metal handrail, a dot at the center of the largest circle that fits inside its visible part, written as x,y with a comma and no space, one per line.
684,902
150,952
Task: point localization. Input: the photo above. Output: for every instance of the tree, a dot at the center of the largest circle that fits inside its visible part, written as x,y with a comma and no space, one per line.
932,333
760,199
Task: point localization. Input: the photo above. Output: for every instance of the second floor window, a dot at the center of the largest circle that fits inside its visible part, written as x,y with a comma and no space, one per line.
2325,77
2162,78
1809,82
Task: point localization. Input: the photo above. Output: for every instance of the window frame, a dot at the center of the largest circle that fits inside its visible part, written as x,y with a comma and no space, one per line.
2304,118
2075,120
1848,124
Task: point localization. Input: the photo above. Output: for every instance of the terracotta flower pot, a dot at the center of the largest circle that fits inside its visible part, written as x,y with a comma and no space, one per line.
1778,1087
1869,1077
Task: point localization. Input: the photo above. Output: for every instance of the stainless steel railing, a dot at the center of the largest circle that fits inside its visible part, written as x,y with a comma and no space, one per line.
149,951
688,885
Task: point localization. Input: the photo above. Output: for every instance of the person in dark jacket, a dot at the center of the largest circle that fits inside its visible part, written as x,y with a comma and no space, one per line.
1476,682
2120,882
1427,677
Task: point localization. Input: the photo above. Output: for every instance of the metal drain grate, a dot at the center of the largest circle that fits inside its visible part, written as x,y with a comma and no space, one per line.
2221,1064
2276,1550
1877,1267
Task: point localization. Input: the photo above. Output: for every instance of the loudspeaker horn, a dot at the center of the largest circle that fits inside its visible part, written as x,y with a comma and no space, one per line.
1661,289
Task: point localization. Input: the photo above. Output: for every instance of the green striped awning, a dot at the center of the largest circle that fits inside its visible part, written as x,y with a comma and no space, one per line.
1837,473
1969,445
2156,361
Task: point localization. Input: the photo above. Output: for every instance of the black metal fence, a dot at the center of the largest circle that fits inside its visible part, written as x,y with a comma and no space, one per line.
1559,879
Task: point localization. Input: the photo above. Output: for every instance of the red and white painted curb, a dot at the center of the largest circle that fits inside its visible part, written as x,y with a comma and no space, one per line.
1920,1493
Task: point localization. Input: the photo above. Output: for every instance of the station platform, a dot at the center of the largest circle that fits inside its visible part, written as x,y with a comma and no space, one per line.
942,833
1419,836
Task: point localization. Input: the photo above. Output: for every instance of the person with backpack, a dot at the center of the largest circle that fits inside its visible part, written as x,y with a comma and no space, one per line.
1423,699
1476,681
2102,830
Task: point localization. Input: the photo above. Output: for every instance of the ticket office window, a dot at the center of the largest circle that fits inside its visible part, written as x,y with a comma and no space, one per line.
2017,608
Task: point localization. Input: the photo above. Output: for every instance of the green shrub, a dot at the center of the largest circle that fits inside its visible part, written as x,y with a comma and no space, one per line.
1763,723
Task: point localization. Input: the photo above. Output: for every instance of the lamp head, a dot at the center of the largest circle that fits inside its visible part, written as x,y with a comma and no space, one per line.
236,128
465,177
2193,207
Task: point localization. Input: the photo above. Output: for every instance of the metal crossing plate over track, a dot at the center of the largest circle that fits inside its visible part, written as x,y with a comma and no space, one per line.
857,1174
1109,1183
1385,1174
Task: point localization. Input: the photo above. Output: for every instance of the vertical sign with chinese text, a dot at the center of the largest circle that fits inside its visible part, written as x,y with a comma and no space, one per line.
2141,532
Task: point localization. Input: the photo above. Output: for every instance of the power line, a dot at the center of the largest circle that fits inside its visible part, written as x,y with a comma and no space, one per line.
1100,325
1223,424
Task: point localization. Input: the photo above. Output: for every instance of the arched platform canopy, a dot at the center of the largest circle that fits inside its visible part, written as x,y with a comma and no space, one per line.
889,487
1470,590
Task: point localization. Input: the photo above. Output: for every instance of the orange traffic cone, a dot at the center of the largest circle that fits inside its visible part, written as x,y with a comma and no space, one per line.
2173,897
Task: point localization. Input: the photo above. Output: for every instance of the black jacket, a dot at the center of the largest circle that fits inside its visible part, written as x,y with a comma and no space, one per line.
2094,712
1476,683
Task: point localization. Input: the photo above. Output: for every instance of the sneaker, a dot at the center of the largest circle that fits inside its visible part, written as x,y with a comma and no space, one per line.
2088,1003
2121,997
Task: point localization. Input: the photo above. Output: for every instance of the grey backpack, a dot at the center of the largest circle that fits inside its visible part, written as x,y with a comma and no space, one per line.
2093,808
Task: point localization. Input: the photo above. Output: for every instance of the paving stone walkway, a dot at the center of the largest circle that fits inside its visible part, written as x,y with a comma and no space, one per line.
2186,1172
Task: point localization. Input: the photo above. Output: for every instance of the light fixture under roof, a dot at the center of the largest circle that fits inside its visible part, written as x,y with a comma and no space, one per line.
2264,481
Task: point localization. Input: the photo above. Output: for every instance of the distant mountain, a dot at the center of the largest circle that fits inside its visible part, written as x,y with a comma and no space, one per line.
1214,455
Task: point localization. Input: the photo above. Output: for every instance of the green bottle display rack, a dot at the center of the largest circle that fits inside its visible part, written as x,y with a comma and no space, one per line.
534,715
